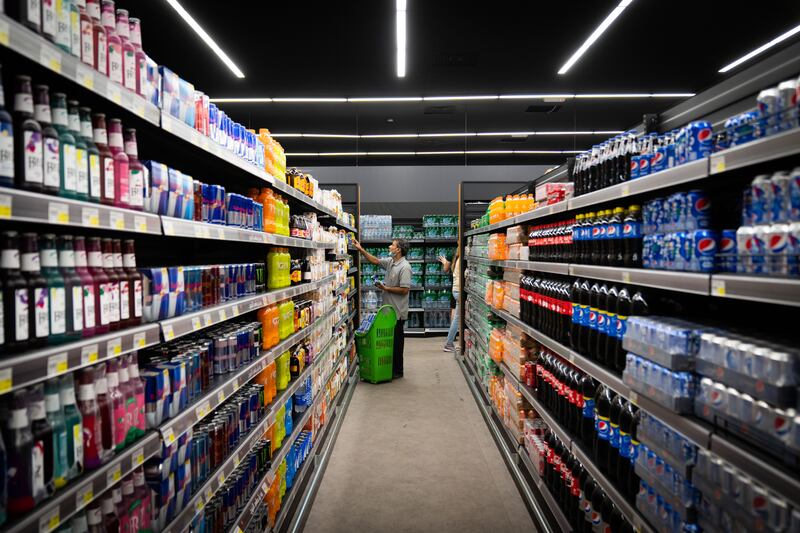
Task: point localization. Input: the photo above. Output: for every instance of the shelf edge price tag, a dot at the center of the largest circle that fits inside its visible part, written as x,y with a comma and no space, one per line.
114,475
718,164
209,494
57,364
626,190
202,411
4,33
196,323
220,397
113,347
5,206
6,380
633,397
221,478
207,319
50,58
169,333
50,521
90,217
84,496
85,76
58,213
626,277
139,340
116,220
223,315
140,224
199,505
89,354
717,287
169,436
113,92
138,457
139,106
169,229
235,310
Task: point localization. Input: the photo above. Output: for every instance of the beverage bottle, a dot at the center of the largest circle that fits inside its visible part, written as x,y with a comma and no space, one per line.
549,442
51,158
122,190
589,237
43,452
624,309
610,327
129,502
68,164
126,388
576,402
19,439
55,417
93,163
88,287
56,291
16,295
81,155
565,311
105,412
29,13
108,20
617,407
110,521
584,298
122,512
91,418
625,467
135,26
639,305
38,292
588,390
594,307
99,38
136,178
108,182
599,503
128,50
134,282
94,517
6,143
102,287
63,36
632,237
142,495
74,423
85,44
606,511
125,310
113,284
601,427
138,421
28,156
583,480
48,20
614,238
574,508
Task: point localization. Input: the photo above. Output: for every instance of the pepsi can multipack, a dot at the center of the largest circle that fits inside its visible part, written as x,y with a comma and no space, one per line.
699,140
703,246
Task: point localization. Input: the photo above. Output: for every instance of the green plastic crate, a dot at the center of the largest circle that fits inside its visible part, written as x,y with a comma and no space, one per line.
376,346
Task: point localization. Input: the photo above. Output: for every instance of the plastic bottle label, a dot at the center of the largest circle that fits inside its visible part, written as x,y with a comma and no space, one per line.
58,310
6,150
124,300
33,157
577,318
614,435
115,62
105,304
136,185
37,469
592,322
52,177
77,308
115,139
70,168
77,448
94,175
62,24
60,116
82,170
129,69
625,445
113,301
101,54
88,306
602,427
49,18
41,312
34,10
21,325
634,450
75,32
137,298
621,324
87,44
100,136
108,166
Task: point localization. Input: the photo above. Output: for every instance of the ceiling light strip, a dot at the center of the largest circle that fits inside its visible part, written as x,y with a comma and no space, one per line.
440,135
595,35
206,38
448,152
394,99
401,38
760,49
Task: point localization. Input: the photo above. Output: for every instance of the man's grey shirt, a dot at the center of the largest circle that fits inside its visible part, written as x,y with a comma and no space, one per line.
398,274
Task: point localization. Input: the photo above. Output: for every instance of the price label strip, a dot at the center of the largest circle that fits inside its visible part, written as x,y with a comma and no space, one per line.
5,206
50,521
6,380
90,217
140,340
114,475
89,354
58,213
114,347
57,365
116,220
50,58
84,496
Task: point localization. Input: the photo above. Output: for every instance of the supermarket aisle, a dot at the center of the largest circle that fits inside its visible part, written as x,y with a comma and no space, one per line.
416,455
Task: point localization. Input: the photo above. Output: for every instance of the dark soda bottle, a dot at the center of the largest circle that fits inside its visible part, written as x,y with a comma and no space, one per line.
611,326
6,143
48,258
599,505
599,346
134,282
625,467
624,308
38,293
632,238
594,305
16,295
602,427
639,305
591,487
575,324
588,390
113,283
19,446
613,452
614,238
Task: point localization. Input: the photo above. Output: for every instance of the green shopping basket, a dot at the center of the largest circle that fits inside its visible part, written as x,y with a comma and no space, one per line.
376,345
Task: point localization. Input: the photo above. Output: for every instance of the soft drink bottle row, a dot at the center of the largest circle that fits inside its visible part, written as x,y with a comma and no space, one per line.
60,289
52,438
111,44
552,242
612,237
545,305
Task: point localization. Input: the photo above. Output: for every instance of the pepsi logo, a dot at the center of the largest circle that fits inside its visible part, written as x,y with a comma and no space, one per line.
782,426
702,204
595,518
706,245
777,243
595,232
727,244
704,134
592,316
760,505
602,426
658,158
634,165
644,162
716,397
627,229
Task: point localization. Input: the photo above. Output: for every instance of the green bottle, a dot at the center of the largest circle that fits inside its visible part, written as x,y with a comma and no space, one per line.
48,258
93,151
69,166
81,154
55,416
72,419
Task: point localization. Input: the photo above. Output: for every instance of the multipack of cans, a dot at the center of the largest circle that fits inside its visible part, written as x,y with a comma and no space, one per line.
297,455
674,448
674,390
668,341
659,477
169,476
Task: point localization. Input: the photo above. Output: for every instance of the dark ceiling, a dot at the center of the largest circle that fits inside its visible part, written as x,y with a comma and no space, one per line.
347,48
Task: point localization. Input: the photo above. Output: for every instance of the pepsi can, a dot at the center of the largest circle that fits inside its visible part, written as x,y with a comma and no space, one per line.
748,128
794,195
656,254
647,246
698,210
777,241
699,137
644,165
634,170
683,252
761,199
787,103
758,249
704,247
726,253
668,251
768,110
793,250
780,207
658,159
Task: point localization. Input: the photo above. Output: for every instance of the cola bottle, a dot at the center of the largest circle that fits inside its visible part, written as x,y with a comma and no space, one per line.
574,419
628,421
624,309
599,346
600,505
602,428
575,323
588,390
594,305
523,308
584,299
573,508
565,480
614,238
565,312
611,326
591,487
613,442
632,238
639,305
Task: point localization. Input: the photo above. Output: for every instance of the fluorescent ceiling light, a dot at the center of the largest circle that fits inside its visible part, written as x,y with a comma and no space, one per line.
241,100
448,152
308,100
754,53
595,35
401,38
464,134
535,96
391,136
485,97
206,38
388,99
435,135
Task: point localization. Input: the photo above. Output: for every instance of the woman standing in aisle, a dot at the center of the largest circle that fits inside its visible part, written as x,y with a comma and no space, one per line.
455,267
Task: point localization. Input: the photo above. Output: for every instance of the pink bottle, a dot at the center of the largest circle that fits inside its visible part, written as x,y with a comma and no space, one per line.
102,293
87,38
126,390
136,170
88,284
129,502
128,50
142,494
121,164
137,386
122,511
114,42
141,58
106,411
117,404
99,38
92,430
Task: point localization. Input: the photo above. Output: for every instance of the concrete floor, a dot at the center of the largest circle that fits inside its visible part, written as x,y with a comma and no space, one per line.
416,455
